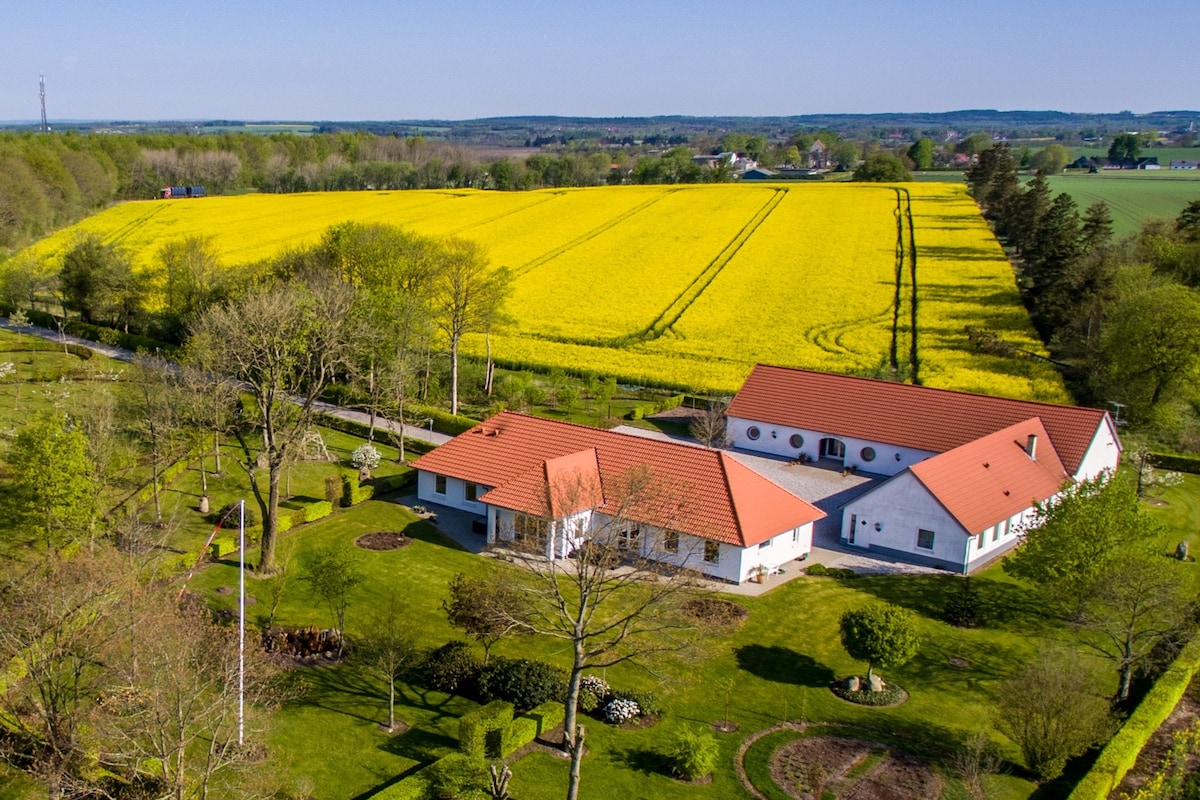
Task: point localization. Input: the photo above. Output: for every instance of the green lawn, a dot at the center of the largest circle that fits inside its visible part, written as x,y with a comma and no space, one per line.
782,659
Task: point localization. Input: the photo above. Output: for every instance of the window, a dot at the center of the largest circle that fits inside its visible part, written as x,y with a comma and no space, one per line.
439,484
1004,524
796,441
752,433
996,533
924,539
979,540
712,552
867,453
671,541
470,491
833,448
530,530
765,544
796,536
628,539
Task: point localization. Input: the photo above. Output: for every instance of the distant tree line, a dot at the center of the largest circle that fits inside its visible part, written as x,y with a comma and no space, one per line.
1123,315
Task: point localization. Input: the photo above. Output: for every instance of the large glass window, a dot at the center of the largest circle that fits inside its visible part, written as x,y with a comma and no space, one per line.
924,539
531,531
470,492
628,539
712,552
439,484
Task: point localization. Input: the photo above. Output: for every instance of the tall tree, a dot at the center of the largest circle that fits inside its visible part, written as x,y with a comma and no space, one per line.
992,181
486,608
194,277
1125,145
154,412
467,297
607,616
283,344
387,649
921,153
880,634
1097,227
1051,160
1049,710
50,491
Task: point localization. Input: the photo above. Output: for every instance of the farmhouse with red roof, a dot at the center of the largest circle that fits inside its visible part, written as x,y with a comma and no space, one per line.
963,471
555,483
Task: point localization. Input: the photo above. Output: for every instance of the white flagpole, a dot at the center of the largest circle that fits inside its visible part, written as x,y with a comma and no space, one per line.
241,619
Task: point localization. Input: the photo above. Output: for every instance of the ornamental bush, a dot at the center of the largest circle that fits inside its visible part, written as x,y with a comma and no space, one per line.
593,694
620,710
692,754
451,668
365,455
524,682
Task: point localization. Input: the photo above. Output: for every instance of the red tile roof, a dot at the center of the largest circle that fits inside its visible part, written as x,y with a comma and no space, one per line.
993,478
936,420
530,461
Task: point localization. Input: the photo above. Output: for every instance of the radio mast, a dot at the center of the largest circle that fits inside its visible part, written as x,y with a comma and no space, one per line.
42,88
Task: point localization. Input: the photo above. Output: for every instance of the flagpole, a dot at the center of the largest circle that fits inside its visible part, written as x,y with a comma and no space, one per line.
241,619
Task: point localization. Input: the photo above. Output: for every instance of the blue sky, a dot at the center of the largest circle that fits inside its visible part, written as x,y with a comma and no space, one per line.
462,59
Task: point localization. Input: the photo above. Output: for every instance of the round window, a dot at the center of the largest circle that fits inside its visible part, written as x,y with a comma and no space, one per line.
753,432
867,453
797,441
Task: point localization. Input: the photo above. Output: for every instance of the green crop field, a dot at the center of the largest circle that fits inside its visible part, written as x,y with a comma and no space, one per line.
1133,196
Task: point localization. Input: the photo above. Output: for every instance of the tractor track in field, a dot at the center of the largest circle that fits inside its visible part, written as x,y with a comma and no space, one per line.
509,213
550,255
133,224
670,315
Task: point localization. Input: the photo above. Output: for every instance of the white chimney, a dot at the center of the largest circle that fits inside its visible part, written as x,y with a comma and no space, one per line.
1031,446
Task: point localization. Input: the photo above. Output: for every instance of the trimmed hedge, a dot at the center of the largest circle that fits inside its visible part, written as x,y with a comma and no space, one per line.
476,729
548,716
97,333
646,409
318,510
354,492
1175,463
1119,755
410,787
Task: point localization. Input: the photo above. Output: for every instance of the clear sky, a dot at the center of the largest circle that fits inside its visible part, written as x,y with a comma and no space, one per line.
463,59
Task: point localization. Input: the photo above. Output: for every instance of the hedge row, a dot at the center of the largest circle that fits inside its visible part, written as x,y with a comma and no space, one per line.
1119,755
362,431
1176,463
97,333
226,543
646,409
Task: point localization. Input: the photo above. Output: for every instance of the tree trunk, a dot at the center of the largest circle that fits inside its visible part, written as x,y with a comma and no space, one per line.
216,453
454,377
572,731
266,561
391,704
157,502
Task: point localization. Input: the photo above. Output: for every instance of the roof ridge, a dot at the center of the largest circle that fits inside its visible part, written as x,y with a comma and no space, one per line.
723,461
918,386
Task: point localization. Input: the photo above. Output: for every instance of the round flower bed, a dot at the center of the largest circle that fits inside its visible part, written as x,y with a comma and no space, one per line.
715,611
892,694
383,540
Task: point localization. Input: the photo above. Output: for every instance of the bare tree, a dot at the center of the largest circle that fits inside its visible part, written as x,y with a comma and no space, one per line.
486,608
173,712
388,649
467,298
154,412
709,427
57,615
606,616
283,344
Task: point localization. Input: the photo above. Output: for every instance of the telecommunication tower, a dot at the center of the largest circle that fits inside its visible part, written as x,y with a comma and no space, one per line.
42,91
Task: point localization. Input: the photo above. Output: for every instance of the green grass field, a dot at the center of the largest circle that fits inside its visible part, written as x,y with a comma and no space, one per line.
1132,196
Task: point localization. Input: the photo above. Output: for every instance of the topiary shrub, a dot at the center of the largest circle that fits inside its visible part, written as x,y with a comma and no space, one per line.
692,754
521,681
816,569
451,668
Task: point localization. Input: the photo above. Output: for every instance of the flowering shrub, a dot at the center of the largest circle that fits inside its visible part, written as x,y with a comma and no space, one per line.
593,693
365,455
621,710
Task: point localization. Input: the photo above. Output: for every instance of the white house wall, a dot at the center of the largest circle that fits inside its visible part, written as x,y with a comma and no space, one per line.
901,507
455,496
1102,454
776,440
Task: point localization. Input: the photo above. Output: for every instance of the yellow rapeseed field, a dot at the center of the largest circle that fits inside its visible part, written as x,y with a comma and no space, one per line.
687,286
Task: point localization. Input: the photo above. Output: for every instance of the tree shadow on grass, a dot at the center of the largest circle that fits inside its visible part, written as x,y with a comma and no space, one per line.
340,690
419,744
782,665
639,759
